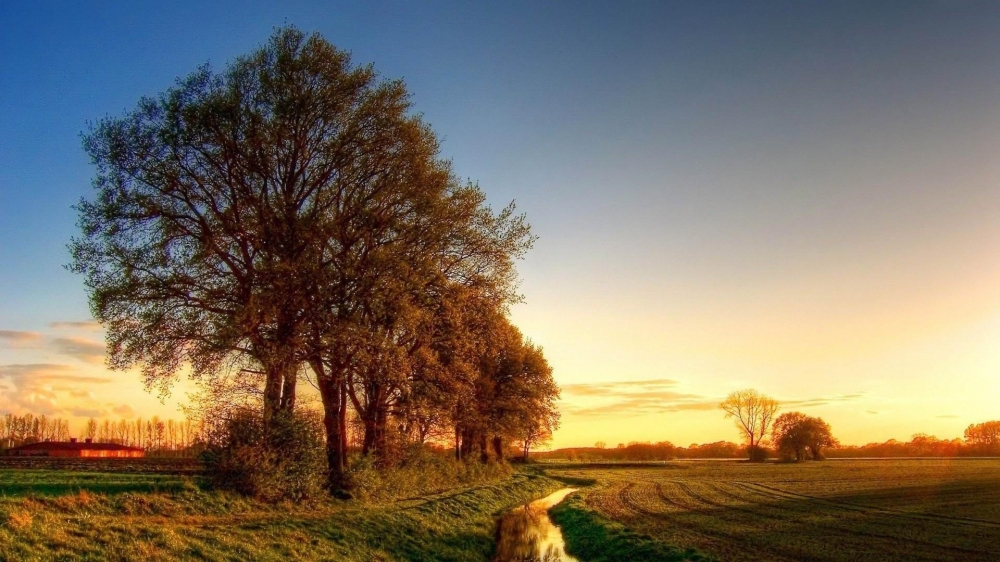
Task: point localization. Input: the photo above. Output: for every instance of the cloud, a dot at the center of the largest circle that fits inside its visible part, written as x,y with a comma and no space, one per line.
648,405
83,349
872,412
89,325
124,410
39,387
616,388
947,416
631,398
657,396
41,373
85,412
19,339
811,402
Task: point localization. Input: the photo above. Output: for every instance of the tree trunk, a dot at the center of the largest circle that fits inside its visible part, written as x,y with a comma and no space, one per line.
458,443
498,447
467,443
368,442
272,393
287,403
381,442
336,453
484,453
343,420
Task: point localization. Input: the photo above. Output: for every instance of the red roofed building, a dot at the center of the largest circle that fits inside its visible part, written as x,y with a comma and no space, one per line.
72,448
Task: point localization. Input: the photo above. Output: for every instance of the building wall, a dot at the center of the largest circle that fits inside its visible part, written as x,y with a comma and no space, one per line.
103,454
81,453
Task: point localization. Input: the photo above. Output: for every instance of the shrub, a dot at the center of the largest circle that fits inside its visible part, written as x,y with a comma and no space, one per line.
419,471
280,460
757,453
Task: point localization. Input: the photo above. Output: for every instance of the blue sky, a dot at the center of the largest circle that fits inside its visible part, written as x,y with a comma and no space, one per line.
796,196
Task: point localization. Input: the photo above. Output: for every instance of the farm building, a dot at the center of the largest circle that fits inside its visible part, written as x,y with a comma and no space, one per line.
73,448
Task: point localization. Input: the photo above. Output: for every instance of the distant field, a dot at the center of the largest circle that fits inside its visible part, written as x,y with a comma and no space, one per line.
834,510
17,483
143,465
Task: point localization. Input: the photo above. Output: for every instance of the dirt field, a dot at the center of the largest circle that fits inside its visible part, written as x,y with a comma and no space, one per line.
144,465
832,510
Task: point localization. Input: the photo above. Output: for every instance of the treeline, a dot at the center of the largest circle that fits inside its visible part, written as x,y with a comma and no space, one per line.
158,437
644,452
27,429
981,440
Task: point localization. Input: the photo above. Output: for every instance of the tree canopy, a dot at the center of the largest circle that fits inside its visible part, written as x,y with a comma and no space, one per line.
293,211
795,433
753,414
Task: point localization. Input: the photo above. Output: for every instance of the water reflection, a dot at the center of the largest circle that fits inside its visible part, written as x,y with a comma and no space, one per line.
526,534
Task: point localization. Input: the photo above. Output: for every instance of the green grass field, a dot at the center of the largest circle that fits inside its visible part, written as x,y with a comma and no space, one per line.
833,510
697,510
58,515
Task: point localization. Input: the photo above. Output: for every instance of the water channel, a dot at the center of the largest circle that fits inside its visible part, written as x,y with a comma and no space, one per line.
526,534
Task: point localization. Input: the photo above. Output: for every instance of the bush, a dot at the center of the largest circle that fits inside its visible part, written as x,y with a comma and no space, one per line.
419,471
281,460
757,453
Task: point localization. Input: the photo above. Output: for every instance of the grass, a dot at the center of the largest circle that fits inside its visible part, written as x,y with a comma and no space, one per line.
16,482
946,509
50,515
592,537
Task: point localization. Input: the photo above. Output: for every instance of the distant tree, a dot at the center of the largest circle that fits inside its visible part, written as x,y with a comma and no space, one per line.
795,433
600,445
753,414
90,430
984,436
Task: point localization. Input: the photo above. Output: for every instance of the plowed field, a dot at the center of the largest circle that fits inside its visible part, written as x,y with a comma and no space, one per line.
832,510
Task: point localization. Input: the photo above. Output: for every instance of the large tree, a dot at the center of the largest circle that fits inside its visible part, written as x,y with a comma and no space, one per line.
753,414
795,433
288,211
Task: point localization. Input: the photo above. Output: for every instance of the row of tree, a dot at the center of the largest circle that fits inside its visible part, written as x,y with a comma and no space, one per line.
23,430
923,445
157,436
291,219
795,436
644,452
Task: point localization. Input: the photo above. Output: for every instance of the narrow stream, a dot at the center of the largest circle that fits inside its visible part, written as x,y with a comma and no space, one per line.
526,534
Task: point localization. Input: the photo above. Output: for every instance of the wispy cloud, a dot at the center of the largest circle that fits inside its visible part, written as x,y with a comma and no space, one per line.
811,402
618,388
635,397
83,349
657,396
18,338
90,325
649,405
947,416
123,410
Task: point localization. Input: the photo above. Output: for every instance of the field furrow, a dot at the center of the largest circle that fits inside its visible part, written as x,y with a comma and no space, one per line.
932,510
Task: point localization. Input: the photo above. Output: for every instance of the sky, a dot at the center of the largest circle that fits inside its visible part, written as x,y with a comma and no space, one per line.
798,197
